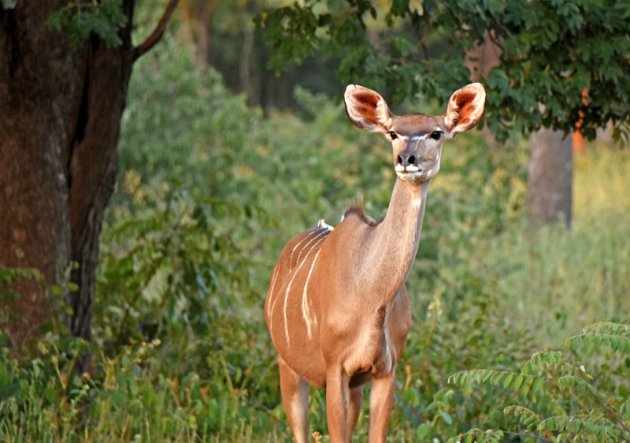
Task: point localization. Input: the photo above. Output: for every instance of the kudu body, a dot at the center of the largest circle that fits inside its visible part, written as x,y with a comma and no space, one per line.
337,308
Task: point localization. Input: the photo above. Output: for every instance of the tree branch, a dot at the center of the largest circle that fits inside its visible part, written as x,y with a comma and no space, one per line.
157,33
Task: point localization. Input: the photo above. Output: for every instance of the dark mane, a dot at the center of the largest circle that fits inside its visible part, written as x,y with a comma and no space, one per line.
359,211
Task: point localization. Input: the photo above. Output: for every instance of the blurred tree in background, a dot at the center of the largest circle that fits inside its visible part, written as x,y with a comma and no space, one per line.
64,71
549,52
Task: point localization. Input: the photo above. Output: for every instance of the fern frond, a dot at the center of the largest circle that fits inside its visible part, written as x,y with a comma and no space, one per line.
513,381
600,427
544,361
618,343
572,383
477,435
525,416
608,328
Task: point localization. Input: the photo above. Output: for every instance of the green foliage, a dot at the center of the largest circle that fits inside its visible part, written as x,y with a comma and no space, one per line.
612,335
476,435
82,18
211,190
124,398
560,397
550,52
8,276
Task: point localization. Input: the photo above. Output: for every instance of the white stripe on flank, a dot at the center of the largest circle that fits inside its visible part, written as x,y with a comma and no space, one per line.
317,239
299,243
305,308
271,288
270,314
286,293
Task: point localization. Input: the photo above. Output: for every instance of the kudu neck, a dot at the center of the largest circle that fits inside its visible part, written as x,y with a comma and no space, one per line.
395,241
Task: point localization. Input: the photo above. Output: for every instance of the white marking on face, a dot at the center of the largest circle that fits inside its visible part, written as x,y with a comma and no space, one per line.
420,137
305,308
408,168
409,177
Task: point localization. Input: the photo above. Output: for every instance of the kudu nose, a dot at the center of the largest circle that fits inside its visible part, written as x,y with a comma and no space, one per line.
406,159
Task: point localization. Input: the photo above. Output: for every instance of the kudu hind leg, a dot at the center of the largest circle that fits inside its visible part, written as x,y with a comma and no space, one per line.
381,402
294,390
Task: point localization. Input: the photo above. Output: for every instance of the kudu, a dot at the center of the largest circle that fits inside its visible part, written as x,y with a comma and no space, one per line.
337,308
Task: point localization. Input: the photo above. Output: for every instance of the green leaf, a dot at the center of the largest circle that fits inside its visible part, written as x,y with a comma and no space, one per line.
446,417
423,431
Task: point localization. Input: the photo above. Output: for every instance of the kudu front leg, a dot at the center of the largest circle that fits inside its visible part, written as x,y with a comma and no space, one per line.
381,402
337,390
294,390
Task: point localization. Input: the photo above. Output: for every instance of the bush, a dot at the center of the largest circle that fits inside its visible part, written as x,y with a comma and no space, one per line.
558,397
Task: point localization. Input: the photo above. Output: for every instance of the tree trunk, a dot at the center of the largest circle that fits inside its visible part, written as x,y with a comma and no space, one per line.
551,163
480,62
60,112
244,61
203,23
550,182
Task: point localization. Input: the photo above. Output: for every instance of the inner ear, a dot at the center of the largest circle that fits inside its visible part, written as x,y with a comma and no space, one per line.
465,108
367,110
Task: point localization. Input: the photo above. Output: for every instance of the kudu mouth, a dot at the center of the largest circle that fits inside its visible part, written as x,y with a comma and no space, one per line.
407,169
409,172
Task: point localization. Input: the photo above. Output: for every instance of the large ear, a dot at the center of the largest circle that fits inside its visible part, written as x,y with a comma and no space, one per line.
465,108
367,110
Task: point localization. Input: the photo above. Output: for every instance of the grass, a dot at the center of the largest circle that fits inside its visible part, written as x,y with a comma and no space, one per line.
554,281
550,283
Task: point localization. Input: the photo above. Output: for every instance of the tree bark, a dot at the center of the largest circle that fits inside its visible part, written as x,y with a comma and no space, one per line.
38,87
204,12
244,61
480,62
94,165
60,112
550,182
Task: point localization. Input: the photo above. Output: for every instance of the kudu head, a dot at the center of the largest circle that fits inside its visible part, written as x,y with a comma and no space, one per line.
416,139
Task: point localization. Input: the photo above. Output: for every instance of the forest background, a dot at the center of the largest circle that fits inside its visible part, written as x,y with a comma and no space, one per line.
222,159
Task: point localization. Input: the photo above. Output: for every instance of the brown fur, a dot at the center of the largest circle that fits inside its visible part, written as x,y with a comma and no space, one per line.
416,124
359,211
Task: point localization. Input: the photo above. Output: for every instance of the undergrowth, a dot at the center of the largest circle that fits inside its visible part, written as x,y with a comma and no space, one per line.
210,192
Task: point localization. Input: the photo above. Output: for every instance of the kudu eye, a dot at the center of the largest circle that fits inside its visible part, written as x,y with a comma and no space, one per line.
435,135
392,135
